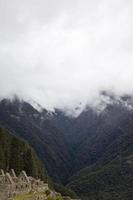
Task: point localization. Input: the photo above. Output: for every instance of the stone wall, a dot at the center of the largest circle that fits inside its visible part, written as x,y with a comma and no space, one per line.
11,185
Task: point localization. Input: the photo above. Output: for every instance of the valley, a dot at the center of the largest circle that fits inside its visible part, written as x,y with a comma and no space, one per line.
79,152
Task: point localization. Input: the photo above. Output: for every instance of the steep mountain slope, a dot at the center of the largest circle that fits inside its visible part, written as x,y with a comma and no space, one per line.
115,122
69,144
17,154
113,181
110,157
76,131
97,135
26,122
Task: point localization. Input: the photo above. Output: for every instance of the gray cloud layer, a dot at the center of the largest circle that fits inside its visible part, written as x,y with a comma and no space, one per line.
62,52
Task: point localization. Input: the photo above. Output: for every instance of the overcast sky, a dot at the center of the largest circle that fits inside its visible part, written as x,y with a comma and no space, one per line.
61,52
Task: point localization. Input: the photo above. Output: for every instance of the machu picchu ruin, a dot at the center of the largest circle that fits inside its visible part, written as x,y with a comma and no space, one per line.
13,187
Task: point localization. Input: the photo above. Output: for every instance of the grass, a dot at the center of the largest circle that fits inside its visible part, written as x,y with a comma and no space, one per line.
28,195
31,195
23,196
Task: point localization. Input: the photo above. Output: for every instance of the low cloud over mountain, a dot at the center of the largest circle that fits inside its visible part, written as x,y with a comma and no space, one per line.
61,52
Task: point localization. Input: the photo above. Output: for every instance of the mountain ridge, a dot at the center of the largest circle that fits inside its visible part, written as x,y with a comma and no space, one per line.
70,144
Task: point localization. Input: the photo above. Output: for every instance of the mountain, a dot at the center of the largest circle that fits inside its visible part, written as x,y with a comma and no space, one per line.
113,181
18,155
95,137
101,140
70,145
24,121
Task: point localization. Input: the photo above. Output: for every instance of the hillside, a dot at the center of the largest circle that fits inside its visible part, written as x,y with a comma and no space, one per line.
94,137
17,154
113,181
70,146
48,141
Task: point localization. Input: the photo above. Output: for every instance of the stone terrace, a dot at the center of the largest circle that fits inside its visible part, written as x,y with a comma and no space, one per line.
11,185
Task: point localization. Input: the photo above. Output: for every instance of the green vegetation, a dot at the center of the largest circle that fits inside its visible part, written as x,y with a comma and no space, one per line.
65,191
92,154
48,141
17,154
23,196
113,181
55,198
35,195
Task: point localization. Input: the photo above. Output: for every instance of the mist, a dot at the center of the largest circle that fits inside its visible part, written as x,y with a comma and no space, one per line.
62,53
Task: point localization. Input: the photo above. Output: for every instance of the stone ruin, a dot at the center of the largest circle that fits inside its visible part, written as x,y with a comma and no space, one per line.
11,185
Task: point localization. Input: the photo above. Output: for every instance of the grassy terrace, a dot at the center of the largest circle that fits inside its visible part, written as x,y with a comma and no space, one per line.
23,197
31,196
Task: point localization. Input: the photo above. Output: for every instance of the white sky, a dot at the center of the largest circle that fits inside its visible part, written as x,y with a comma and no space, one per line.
63,52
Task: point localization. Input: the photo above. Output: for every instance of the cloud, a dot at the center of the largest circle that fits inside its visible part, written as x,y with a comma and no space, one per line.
59,53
